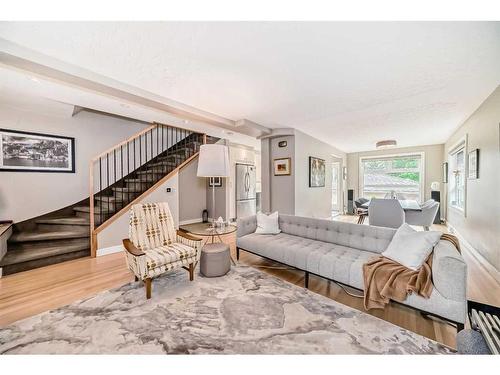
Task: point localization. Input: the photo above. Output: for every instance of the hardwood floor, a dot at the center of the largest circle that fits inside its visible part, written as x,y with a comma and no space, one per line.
31,292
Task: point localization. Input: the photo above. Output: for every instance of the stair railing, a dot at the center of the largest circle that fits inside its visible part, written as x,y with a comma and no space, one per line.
130,168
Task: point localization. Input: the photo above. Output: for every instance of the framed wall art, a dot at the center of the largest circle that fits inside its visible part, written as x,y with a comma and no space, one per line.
35,152
282,167
317,172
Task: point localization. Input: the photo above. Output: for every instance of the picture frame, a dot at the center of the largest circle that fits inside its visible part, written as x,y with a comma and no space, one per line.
282,166
473,164
215,182
22,151
317,172
445,172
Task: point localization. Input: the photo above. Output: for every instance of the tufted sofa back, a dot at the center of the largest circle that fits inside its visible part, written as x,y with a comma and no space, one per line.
362,237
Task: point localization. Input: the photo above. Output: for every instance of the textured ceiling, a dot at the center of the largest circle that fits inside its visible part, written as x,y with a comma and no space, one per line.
349,84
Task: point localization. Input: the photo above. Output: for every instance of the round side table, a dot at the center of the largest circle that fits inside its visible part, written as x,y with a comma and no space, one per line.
205,230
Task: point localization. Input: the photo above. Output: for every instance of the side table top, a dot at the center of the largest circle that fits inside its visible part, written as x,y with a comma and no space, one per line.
204,229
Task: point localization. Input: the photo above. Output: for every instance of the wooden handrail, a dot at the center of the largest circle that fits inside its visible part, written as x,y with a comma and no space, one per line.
117,146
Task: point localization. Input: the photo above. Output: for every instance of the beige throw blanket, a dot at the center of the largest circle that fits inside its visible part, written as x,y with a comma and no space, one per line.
386,279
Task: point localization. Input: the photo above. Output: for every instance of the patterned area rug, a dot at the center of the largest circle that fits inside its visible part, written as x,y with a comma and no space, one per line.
244,312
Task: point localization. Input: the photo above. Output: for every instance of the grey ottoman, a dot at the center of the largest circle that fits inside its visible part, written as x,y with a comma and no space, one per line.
215,260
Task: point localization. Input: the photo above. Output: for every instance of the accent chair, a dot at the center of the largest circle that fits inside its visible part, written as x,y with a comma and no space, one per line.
154,246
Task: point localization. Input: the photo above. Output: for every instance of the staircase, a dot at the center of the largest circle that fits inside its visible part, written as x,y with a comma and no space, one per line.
118,177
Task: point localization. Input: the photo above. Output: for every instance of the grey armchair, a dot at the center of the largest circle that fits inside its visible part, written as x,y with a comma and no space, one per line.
423,218
386,213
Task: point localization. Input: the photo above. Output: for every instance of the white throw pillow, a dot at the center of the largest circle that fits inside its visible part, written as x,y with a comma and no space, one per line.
267,224
410,247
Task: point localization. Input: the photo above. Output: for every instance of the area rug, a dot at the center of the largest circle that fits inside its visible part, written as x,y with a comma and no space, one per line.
244,312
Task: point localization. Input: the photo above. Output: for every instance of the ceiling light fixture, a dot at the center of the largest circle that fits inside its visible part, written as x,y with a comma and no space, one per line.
34,79
386,144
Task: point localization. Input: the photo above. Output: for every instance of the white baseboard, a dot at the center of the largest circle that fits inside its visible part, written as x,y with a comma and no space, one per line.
109,250
191,221
481,259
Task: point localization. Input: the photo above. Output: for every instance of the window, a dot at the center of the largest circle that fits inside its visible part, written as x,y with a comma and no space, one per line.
456,185
398,176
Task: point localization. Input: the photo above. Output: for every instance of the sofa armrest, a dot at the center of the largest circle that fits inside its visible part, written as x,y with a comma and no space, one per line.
246,226
449,271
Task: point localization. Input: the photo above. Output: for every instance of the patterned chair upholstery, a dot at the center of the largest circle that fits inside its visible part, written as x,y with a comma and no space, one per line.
155,247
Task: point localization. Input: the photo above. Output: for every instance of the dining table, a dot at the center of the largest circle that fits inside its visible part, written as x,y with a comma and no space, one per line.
406,205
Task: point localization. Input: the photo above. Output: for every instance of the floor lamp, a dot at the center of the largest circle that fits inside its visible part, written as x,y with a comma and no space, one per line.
213,162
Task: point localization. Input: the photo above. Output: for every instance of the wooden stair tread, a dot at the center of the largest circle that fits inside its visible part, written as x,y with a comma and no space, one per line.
109,199
66,220
97,209
42,251
127,190
46,235
149,172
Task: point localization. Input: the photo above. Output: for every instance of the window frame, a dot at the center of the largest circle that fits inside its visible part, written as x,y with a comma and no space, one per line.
461,144
421,154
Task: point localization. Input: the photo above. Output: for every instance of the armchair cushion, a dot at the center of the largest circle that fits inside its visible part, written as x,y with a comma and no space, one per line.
151,225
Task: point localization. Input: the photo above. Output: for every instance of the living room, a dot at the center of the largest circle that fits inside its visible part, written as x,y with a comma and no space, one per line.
259,188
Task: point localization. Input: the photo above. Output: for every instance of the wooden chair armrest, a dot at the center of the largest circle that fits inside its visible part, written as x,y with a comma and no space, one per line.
130,247
187,236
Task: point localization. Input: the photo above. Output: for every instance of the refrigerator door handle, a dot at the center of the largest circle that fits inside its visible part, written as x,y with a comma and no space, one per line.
247,182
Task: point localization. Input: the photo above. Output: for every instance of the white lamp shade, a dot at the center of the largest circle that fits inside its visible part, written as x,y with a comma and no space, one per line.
213,161
435,186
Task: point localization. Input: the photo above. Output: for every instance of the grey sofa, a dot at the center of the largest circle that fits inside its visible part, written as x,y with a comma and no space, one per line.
337,251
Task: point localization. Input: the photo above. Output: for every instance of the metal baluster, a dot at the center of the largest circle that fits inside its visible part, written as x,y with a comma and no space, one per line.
128,172
107,177
121,168
99,192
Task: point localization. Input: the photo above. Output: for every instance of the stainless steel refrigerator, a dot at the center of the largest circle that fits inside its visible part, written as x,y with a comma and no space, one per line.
246,199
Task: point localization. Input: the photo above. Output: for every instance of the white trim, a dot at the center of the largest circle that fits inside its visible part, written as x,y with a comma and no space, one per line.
480,259
109,250
388,156
191,221
462,142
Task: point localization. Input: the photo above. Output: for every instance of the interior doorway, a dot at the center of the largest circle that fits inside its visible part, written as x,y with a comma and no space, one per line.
336,188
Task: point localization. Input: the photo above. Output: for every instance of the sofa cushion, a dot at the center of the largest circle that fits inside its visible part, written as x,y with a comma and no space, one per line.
411,248
362,237
326,259
267,224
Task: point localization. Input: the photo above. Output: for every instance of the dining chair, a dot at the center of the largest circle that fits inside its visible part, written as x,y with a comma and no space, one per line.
425,217
386,213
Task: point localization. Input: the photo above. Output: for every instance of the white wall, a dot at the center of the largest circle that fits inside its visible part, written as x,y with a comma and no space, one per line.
25,195
314,201
433,170
480,226
113,234
192,193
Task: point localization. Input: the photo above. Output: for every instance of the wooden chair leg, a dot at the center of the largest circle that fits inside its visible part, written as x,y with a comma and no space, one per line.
147,281
360,219
237,253
191,272
306,280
